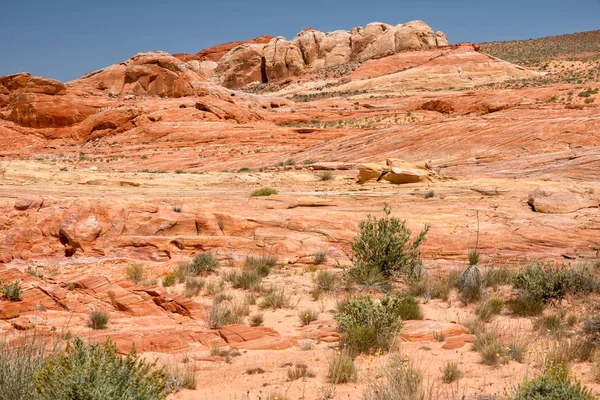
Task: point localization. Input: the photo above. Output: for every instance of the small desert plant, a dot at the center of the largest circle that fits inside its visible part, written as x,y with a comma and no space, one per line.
553,384
342,369
307,316
254,371
257,319
525,306
319,258
435,287
263,192
384,243
495,277
495,351
325,176
367,279
325,282
489,308
473,257
220,314
135,273
97,371
451,372
401,381
306,345
408,308
299,370
202,264
17,365
552,324
11,291
262,264
470,285
547,284
170,279
193,286
275,299
181,377
98,319
245,279
369,327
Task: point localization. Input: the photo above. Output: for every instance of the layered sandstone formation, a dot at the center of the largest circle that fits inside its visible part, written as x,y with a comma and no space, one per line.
312,50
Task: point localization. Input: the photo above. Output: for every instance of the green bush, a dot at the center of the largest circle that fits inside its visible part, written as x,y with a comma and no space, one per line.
369,327
135,273
384,244
546,284
203,264
17,365
262,192
262,264
307,316
275,299
451,372
525,306
408,308
325,176
552,385
11,291
342,369
489,308
98,319
325,282
170,279
367,278
402,381
319,258
97,372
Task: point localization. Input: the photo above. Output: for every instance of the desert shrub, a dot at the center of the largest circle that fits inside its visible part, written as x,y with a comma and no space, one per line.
275,299
181,377
545,284
257,319
169,279
98,319
307,316
552,324
473,257
135,273
11,291
489,308
262,265
369,326
435,287
495,351
299,370
325,282
525,306
408,308
306,345
325,176
202,264
193,286
18,362
592,327
554,384
367,278
401,381
263,192
220,314
254,371
342,369
495,277
319,258
245,279
97,372
470,285
384,244
451,372
567,350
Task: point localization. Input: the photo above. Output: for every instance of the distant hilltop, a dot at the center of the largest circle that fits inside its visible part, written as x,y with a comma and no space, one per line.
268,58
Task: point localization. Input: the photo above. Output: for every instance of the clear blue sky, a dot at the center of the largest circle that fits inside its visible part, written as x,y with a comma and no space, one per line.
64,39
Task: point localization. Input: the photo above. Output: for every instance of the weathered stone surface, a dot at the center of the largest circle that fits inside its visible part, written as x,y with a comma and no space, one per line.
255,338
324,331
282,59
425,331
25,203
241,66
556,200
393,171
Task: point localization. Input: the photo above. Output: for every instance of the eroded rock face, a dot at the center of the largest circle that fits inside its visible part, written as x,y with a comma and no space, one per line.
394,171
556,200
312,50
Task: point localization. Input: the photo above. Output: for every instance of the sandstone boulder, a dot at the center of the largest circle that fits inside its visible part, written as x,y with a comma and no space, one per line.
394,171
309,43
425,331
25,83
441,39
282,59
556,200
241,66
414,35
375,40
25,203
